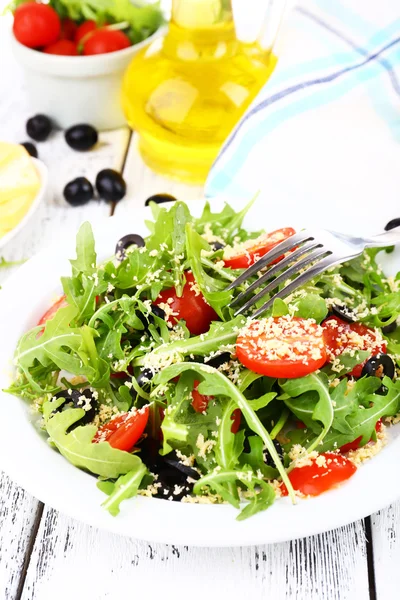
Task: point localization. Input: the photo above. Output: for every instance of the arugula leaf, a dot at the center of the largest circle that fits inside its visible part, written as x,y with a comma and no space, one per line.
6,264
255,458
77,447
322,409
125,487
217,379
312,307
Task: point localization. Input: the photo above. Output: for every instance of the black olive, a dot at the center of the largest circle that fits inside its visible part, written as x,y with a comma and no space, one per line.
217,246
110,185
78,191
81,137
378,366
132,239
219,360
392,224
386,329
74,397
344,313
173,461
30,148
156,310
160,199
268,459
144,377
39,127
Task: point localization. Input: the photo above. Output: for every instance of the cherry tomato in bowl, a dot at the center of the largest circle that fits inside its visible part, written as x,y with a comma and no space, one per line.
83,30
287,347
68,29
323,473
191,306
249,252
49,314
103,41
62,48
36,25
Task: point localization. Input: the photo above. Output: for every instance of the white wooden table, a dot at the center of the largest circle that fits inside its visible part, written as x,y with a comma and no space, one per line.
46,555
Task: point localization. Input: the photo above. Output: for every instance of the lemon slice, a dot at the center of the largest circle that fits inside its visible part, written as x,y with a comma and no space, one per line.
19,185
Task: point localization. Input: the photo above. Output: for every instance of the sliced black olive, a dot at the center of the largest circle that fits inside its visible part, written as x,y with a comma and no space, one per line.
344,313
217,246
131,239
268,459
78,191
392,224
160,199
156,310
30,148
81,137
110,185
173,461
74,397
378,366
144,377
386,329
39,127
219,360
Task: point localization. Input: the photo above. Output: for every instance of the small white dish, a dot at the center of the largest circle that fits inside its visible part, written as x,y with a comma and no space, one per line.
28,459
43,174
77,89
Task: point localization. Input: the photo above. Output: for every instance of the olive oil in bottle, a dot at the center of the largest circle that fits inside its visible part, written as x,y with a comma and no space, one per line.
184,93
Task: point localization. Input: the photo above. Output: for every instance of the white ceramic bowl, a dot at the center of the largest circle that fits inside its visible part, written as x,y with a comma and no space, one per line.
43,174
76,89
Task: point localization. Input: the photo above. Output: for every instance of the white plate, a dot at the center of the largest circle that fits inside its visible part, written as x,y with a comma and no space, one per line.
27,458
43,174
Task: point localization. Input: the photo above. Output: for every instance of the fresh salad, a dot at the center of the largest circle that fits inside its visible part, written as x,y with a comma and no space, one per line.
145,378
87,27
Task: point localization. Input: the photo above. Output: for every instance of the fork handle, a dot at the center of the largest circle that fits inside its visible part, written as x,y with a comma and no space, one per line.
387,238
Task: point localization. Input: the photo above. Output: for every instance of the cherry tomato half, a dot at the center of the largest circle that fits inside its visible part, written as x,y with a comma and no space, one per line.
105,40
282,347
83,29
355,444
123,431
252,250
36,25
49,314
68,29
340,336
321,475
200,404
191,306
62,48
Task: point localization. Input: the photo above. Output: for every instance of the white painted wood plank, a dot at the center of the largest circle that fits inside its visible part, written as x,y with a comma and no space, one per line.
18,511
71,560
385,526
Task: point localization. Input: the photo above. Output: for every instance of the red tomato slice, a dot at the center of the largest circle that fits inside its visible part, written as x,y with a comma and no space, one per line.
49,314
282,347
355,444
200,404
321,475
251,250
340,336
191,306
123,431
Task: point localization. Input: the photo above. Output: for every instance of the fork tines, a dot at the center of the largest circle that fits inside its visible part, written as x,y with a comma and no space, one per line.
299,250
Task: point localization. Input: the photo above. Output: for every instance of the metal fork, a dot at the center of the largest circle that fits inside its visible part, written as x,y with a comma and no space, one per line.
314,251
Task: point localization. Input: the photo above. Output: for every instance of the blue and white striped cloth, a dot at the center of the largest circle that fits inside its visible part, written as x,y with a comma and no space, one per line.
326,126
